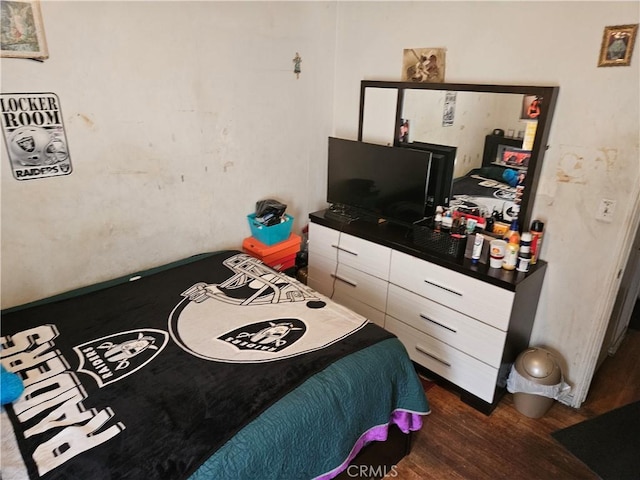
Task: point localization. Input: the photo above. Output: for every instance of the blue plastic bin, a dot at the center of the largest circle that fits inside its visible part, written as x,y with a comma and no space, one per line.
273,234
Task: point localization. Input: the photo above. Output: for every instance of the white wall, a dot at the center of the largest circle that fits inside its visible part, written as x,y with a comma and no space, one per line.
593,150
179,117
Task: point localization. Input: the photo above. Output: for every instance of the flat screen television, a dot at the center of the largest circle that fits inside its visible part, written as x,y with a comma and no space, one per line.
440,184
389,182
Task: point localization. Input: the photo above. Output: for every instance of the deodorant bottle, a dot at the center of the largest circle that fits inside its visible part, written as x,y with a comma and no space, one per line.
537,228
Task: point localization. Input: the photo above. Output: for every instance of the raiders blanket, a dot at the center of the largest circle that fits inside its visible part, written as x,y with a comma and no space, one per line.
148,378
487,194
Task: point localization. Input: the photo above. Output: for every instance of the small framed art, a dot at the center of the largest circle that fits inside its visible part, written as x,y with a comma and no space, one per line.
22,31
423,65
617,45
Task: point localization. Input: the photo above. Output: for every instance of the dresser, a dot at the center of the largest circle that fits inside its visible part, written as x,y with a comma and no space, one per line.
462,324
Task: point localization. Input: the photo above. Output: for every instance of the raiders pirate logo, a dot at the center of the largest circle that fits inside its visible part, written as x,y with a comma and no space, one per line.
266,336
504,194
256,315
26,144
109,359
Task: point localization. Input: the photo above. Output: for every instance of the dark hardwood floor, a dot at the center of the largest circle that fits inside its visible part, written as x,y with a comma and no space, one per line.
458,442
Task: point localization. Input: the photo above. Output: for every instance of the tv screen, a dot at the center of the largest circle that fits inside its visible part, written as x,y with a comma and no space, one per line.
389,182
441,179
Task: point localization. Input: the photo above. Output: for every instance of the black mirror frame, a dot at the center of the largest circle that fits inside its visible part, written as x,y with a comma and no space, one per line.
548,93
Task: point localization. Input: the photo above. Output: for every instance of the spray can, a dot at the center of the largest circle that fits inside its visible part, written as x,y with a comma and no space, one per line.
537,229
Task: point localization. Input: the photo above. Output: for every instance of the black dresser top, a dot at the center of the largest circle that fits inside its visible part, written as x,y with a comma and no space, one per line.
398,237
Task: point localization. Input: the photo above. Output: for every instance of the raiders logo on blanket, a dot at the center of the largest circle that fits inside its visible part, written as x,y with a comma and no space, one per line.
256,315
108,359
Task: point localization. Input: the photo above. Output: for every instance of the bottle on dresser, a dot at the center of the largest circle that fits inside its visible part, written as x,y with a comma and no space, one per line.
512,238
510,259
513,230
524,255
537,229
437,222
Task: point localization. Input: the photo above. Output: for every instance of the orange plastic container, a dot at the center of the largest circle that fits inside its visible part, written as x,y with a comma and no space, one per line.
284,263
274,254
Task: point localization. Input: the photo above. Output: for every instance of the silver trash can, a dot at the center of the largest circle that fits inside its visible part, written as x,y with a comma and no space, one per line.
535,381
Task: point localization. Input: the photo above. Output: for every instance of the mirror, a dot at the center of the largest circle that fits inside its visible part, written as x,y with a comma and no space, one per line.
499,132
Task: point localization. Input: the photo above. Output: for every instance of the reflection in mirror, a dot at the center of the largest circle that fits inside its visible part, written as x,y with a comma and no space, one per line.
488,175
499,150
473,116
379,115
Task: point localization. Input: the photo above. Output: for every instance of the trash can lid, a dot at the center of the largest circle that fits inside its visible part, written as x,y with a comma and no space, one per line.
539,365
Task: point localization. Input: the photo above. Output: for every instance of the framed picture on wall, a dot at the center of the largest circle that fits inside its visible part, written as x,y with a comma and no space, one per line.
423,65
22,30
617,45
531,107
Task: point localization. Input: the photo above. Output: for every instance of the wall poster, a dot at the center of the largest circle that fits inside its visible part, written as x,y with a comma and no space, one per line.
449,112
34,135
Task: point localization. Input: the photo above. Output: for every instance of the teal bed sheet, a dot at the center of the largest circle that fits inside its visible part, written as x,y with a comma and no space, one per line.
312,431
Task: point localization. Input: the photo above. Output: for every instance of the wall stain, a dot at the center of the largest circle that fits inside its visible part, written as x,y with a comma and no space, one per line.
227,166
87,121
610,156
570,169
574,166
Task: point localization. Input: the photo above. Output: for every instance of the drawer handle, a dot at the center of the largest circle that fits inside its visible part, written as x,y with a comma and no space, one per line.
443,288
348,282
422,350
351,252
438,323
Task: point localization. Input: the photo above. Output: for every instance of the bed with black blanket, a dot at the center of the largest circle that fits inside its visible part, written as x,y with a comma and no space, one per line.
484,189
212,367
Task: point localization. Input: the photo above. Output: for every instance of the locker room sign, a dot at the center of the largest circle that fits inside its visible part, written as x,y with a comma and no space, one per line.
34,135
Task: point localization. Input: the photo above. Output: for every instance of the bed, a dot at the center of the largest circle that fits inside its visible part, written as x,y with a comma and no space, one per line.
215,366
486,190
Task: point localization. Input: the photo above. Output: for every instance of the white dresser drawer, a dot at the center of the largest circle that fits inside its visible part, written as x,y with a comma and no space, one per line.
467,334
319,273
321,240
346,281
324,284
472,297
352,251
472,375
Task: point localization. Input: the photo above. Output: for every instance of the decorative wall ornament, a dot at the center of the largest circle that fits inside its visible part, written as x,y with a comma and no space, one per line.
423,65
297,60
617,45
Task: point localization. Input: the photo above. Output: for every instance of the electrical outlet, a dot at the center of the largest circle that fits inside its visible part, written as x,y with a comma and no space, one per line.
606,210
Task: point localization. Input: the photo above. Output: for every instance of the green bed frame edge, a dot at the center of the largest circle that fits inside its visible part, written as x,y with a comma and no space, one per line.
109,283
